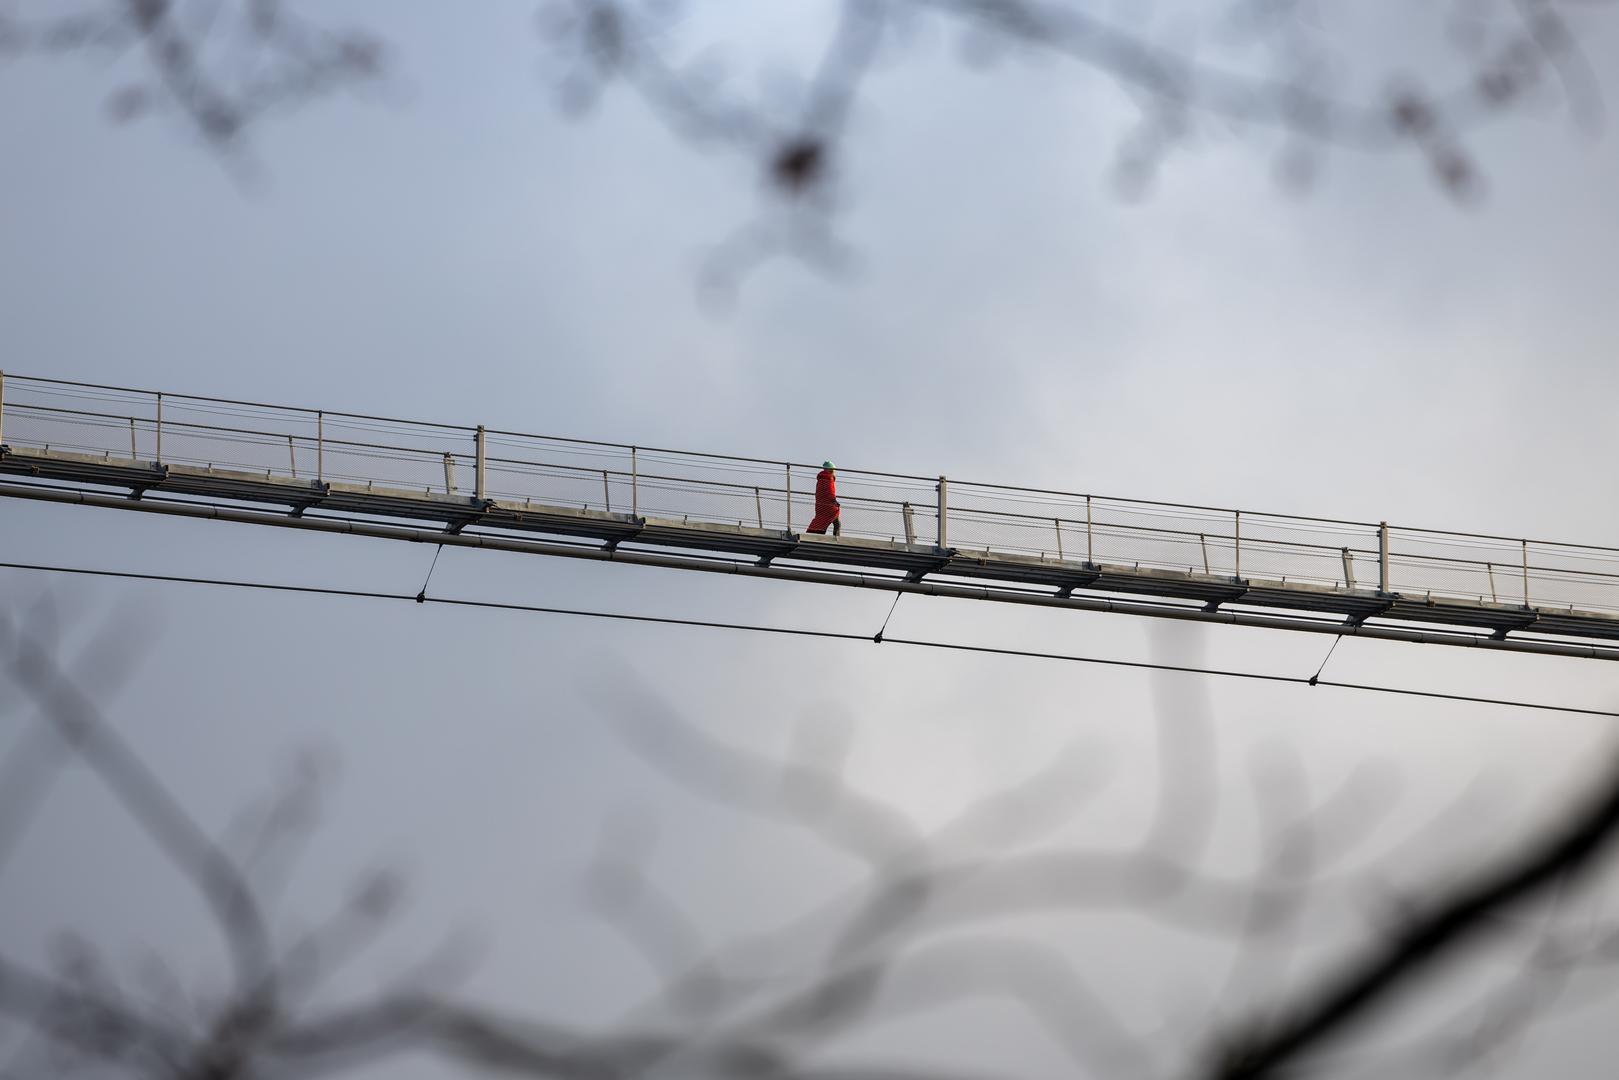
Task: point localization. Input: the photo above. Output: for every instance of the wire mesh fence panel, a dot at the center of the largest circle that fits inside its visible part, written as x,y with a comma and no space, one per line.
110,425
306,458
1572,576
109,437
702,501
263,455
408,469
991,533
1040,524
1281,561
1163,538
557,472
1423,563
1142,547
1483,581
405,457
1321,553
526,483
205,435
702,490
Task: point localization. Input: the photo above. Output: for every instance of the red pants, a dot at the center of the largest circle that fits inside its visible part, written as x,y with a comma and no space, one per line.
823,518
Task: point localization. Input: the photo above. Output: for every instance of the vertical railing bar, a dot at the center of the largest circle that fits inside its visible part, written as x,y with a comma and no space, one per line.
607,493
160,429
1057,522
478,479
292,457
1237,536
1090,545
1349,569
1489,568
1383,557
2,406
758,506
320,447
635,485
1203,542
1525,573
133,453
907,513
944,513
789,468
449,474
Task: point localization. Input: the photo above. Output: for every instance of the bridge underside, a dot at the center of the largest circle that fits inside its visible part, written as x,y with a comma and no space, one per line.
374,510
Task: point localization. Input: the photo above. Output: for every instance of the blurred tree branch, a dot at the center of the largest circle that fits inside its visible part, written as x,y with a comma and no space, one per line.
1273,69
1281,72
1431,932
222,65
81,1010
912,936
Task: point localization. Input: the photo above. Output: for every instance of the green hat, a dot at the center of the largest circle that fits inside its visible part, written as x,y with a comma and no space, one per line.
827,465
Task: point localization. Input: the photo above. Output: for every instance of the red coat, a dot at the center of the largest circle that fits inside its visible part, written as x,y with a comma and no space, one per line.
826,492
826,501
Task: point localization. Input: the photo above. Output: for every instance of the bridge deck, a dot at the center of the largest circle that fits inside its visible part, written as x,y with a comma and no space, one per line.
274,464
457,513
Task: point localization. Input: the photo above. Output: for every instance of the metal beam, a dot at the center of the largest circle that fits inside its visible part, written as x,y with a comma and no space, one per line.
822,577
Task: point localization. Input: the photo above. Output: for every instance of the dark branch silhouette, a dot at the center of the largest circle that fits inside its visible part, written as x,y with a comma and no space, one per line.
1429,934
222,65
1270,75
923,928
1274,71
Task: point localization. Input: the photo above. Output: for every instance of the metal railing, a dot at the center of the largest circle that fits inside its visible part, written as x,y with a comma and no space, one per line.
116,424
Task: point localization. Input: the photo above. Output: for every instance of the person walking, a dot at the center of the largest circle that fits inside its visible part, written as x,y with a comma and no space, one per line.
828,511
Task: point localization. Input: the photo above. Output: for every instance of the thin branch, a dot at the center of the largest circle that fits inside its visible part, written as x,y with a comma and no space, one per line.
79,722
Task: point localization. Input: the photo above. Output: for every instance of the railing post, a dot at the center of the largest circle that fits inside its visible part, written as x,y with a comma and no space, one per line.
478,478
944,512
160,429
635,485
320,447
449,474
1057,524
1237,536
910,522
292,457
1525,573
133,453
1090,540
2,406
607,493
1383,557
1203,545
789,498
758,507
1349,570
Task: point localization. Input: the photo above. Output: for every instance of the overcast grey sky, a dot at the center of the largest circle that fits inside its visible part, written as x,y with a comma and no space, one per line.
463,252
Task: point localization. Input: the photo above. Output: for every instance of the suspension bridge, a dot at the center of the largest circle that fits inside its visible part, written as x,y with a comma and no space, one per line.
317,470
